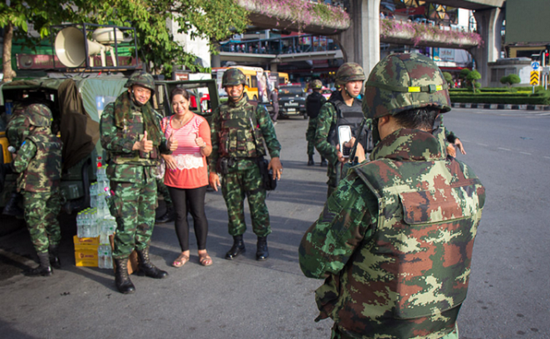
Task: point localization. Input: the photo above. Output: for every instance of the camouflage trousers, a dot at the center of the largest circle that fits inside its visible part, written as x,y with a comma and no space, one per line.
163,190
41,210
310,135
133,205
244,180
339,333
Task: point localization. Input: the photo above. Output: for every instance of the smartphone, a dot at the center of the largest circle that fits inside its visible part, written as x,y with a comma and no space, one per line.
344,135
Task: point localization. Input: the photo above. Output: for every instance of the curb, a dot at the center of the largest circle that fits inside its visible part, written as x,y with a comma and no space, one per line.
501,106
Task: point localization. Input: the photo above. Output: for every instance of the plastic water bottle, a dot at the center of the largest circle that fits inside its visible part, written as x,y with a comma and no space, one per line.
100,257
93,194
79,230
108,257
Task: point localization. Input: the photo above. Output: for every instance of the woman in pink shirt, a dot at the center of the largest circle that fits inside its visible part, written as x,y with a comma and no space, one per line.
186,173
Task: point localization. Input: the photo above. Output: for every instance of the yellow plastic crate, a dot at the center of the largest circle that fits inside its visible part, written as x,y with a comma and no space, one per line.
86,258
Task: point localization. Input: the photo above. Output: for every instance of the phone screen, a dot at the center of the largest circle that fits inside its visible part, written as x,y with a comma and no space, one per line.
344,135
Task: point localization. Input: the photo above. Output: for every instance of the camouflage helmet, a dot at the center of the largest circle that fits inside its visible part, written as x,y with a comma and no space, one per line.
39,115
316,84
401,82
233,77
143,79
350,71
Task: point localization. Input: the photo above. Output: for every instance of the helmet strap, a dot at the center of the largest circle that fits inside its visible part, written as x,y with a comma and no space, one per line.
133,97
375,132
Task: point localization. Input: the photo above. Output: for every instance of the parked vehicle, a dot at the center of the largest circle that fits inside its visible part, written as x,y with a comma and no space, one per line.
292,101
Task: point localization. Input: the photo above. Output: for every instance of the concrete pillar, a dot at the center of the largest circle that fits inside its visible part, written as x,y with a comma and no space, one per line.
489,24
361,42
273,66
216,60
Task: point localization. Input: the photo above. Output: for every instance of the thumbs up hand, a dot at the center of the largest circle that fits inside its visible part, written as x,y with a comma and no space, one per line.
172,142
144,145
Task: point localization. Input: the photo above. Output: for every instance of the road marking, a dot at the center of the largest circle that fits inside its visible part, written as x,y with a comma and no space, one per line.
525,153
482,144
505,149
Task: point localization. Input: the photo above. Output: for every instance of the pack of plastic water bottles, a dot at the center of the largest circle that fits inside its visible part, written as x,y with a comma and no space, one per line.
97,221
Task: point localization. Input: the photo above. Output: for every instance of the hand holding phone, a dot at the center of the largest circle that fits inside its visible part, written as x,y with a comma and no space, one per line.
344,136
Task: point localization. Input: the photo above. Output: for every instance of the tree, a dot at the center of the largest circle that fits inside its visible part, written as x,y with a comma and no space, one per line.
472,77
510,80
15,16
448,78
214,20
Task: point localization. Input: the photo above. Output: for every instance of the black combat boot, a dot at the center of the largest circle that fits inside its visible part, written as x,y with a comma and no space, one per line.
310,161
145,267
262,253
12,206
54,257
237,248
169,216
324,162
44,269
122,279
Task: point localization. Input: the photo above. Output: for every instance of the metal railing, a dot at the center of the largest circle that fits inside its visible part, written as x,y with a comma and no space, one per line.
279,45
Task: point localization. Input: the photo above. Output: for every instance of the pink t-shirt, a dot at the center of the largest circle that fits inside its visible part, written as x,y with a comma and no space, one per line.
191,169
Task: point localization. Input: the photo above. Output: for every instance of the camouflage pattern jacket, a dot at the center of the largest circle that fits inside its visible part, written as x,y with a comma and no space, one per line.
125,164
39,162
395,240
18,127
239,130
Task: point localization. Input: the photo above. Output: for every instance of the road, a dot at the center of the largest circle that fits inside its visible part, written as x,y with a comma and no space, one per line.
243,298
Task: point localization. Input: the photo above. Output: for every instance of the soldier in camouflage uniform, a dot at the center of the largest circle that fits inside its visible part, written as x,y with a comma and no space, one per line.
38,160
239,130
350,77
314,101
394,242
131,134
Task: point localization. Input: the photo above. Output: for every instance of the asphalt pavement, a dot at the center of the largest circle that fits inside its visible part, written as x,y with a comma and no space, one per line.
243,298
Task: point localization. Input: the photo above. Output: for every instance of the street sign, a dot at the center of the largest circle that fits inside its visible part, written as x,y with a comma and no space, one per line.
535,65
534,78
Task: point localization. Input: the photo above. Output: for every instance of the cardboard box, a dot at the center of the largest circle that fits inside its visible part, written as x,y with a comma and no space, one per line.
132,260
85,244
88,258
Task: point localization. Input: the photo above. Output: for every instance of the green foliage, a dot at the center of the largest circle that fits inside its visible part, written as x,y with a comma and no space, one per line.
464,73
448,77
510,79
541,97
213,20
473,75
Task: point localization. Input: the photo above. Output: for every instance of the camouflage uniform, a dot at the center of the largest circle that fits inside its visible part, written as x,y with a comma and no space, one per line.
132,174
233,137
39,162
314,101
394,242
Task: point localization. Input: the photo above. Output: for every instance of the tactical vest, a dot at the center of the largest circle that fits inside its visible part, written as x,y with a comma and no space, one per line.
240,135
134,129
417,265
313,104
351,116
43,173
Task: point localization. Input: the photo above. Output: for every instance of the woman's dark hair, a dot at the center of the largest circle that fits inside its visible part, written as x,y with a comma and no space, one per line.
179,91
418,118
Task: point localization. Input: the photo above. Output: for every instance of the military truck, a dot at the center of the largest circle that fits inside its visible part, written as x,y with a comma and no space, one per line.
77,101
